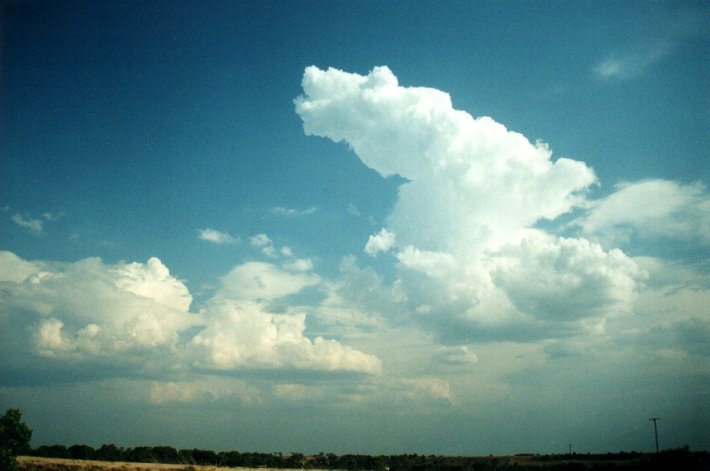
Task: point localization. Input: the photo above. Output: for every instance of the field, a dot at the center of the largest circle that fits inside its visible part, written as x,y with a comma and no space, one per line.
671,459
32,463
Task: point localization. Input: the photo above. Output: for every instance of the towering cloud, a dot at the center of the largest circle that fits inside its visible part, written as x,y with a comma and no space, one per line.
472,184
473,193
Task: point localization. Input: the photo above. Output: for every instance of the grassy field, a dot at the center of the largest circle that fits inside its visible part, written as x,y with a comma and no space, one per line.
673,459
32,463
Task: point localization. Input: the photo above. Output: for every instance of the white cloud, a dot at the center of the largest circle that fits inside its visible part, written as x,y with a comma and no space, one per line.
263,281
88,310
428,388
649,209
216,237
169,392
353,210
469,262
566,279
51,216
135,315
633,63
204,390
292,212
263,242
383,241
260,240
459,355
152,280
33,225
472,183
13,268
245,336
300,264
659,36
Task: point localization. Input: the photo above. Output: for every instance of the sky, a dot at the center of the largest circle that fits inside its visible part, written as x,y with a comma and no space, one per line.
382,227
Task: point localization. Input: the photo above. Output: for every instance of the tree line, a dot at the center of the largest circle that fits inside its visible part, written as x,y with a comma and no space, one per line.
15,437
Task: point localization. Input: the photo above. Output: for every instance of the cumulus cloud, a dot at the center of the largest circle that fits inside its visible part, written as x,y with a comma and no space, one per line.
13,268
136,315
383,241
263,281
299,264
472,184
566,279
216,237
245,336
466,251
649,209
428,388
263,242
88,310
459,355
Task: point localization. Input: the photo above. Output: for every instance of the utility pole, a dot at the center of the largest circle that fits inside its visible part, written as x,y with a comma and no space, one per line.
655,429
570,448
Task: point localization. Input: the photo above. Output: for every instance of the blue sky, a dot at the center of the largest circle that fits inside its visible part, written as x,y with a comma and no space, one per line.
372,227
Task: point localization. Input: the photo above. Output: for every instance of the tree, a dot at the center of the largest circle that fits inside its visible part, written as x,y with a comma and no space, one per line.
15,438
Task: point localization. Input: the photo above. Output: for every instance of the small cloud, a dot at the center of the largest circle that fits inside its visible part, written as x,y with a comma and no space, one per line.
380,242
260,240
217,237
632,64
301,264
35,226
263,242
456,356
51,216
353,210
259,281
292,212
662,37
428,388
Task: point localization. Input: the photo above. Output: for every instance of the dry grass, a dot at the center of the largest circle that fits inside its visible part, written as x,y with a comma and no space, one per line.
32,463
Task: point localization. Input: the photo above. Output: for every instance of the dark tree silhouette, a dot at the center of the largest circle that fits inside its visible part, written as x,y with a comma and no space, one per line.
15,438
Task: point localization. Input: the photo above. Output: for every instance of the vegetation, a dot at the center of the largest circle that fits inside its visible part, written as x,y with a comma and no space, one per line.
629,461
15,438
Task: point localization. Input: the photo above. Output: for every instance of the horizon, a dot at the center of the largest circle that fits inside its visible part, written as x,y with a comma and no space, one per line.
459,229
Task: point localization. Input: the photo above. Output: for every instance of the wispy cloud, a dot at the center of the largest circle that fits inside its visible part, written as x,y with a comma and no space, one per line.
292,212
35,226
632,64
658,40
217,237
